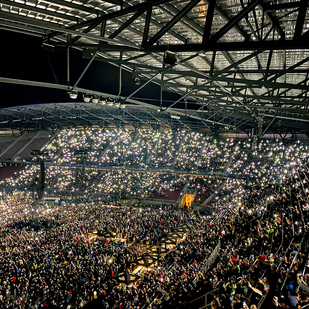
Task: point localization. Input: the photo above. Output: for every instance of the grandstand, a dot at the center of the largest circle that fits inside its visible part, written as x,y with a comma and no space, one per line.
154,154
227,191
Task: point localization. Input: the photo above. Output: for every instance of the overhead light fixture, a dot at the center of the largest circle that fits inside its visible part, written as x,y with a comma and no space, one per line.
73,95
169,58
95,99
102,101
86,97
137,80
175,117
122,106
109,102
117,104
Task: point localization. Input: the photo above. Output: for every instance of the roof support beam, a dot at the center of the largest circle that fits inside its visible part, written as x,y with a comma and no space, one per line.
237,63
268,7
290,69
147,25
96,21
127,23
268,64
230,46
208,88
48,26
224,15
235,20
209,18
73,6
275,23
174,20
38,10
300,19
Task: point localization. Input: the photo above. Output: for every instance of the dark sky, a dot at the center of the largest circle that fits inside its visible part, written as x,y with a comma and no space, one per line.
22,57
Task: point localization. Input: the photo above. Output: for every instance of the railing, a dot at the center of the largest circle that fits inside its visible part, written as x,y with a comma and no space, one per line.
194,303
208,261
302,285
292,263
159,294
284,253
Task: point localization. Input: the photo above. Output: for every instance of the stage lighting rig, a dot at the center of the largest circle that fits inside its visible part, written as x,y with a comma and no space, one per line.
73,95
86,97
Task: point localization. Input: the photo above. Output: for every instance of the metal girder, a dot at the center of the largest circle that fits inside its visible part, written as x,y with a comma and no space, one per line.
147,25
290,69
232,22
212,66
174,20
274,21
269,7
74,6
121,12
225,16
49,26
188,73
300,19
127,23
268,64
250,82
239,62
229,46
170,9
208,23
260,98
92,23
39,10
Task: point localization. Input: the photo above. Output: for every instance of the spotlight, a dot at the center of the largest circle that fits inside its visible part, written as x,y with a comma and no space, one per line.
95,99
73,94
86,97
137,80
102,101
117,104
169,58
122,106
109,102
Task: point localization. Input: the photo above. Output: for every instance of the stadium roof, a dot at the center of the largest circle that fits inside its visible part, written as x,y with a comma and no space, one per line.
243,63
60,115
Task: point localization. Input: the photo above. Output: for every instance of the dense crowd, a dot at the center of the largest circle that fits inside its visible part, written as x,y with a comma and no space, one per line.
52,261
182,150
253,250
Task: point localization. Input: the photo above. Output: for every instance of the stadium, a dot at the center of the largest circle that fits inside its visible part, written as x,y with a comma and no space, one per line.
154,154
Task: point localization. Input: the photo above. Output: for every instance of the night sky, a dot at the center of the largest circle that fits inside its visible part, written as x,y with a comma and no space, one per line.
22,57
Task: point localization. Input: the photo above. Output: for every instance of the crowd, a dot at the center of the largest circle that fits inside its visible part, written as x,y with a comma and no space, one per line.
180,150
262,233
253,250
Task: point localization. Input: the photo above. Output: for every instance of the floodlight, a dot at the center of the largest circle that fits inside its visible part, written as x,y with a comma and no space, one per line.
73,94
137,80
169,58
95,99
102,101
86,97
